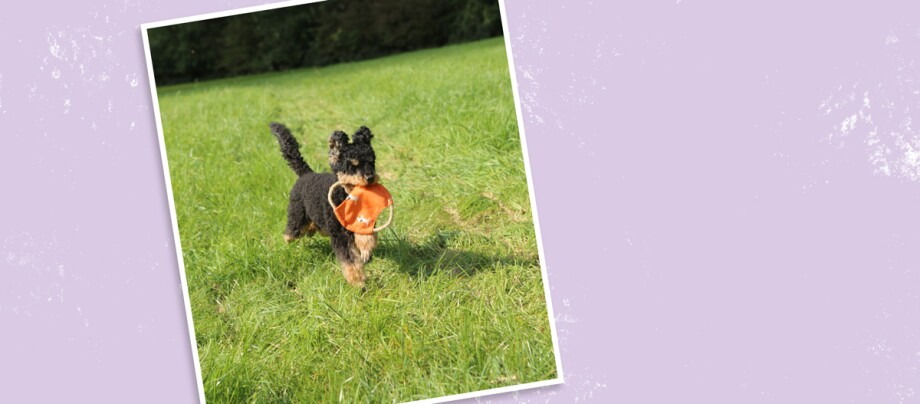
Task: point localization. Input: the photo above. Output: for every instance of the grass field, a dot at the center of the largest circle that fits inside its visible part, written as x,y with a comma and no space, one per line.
454,301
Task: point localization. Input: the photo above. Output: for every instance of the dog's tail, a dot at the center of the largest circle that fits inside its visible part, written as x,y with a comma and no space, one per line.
290,149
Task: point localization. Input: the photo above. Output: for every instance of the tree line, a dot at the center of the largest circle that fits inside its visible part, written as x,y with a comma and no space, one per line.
315,34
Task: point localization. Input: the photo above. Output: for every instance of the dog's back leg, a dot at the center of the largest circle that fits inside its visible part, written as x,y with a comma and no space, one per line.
298,224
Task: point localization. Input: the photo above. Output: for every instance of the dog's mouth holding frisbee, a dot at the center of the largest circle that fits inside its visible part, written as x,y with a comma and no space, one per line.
359,211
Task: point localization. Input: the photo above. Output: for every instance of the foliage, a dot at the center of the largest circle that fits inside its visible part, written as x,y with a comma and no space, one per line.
315,34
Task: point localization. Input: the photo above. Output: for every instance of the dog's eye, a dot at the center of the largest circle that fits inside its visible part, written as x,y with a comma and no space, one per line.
354,162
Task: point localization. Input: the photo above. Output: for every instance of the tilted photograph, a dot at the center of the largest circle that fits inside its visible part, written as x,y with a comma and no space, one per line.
350,187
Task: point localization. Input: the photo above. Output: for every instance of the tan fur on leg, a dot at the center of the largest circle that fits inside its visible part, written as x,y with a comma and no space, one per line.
307,230
354,274
312,228
365,244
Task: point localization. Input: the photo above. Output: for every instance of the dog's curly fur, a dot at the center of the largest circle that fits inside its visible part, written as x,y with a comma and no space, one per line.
308,209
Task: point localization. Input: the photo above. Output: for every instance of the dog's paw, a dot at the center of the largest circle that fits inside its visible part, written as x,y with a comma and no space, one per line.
357,282
354,274
365,244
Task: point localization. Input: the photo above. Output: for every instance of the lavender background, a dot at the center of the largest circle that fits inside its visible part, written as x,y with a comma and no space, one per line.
761,160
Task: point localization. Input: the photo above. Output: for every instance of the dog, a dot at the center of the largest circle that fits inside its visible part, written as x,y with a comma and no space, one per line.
352,164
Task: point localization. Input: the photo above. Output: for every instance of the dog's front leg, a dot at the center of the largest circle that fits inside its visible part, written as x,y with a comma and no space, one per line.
349,258
365,245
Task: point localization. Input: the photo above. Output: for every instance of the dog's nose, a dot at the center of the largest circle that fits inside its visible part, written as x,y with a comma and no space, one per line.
370,178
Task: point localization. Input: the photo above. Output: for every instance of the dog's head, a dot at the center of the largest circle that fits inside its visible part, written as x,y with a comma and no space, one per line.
353,163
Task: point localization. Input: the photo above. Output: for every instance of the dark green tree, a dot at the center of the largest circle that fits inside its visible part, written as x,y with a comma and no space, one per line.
315,34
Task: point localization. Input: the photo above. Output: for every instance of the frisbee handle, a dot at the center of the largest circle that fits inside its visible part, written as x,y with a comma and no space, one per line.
331,189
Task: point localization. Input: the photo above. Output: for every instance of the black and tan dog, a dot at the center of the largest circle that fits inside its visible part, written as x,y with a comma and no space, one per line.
309,211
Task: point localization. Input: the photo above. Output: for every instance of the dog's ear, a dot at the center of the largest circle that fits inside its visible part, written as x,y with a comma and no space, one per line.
337,140
363,135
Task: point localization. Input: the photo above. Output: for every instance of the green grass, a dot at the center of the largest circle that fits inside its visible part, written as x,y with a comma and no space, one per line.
454,301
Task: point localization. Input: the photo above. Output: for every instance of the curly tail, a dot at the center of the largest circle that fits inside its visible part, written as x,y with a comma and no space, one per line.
290,149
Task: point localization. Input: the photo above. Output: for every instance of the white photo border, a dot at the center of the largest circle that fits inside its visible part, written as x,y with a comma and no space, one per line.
175,224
